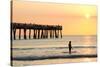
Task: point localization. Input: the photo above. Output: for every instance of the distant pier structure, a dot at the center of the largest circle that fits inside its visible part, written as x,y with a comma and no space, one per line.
35,31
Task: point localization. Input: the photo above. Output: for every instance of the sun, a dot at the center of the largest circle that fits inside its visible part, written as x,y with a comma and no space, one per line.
87,16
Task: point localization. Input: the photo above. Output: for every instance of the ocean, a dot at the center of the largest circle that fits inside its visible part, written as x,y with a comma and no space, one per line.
54,51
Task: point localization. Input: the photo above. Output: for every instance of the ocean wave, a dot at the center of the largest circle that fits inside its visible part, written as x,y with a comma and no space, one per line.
31,58
53,48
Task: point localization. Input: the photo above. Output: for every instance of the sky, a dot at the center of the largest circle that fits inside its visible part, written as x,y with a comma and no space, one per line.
76,19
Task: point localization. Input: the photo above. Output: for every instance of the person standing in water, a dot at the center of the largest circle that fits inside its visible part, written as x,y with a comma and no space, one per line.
70,47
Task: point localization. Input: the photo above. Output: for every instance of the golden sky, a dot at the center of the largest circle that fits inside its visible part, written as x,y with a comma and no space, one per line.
76,19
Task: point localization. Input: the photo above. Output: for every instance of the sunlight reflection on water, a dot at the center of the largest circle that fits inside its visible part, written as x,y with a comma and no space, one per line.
52,47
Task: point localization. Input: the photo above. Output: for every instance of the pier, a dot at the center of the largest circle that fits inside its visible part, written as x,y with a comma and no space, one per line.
35,31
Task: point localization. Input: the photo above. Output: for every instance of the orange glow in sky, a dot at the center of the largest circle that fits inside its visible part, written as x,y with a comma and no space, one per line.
76,19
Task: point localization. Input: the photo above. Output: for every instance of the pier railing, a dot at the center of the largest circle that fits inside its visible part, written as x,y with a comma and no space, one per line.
39,31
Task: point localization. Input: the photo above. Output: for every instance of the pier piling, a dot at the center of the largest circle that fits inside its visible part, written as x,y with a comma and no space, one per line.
39,31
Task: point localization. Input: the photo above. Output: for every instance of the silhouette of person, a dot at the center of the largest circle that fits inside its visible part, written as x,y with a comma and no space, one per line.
70,47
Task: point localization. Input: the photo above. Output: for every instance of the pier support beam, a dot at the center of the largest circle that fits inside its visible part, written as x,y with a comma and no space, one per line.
34,35
57,33
61,33
38,34
42,34
46,33
24,33
53,33
19,34
29,33
14,33
50,33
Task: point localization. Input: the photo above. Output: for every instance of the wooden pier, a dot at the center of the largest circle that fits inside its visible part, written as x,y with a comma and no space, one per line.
39,31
